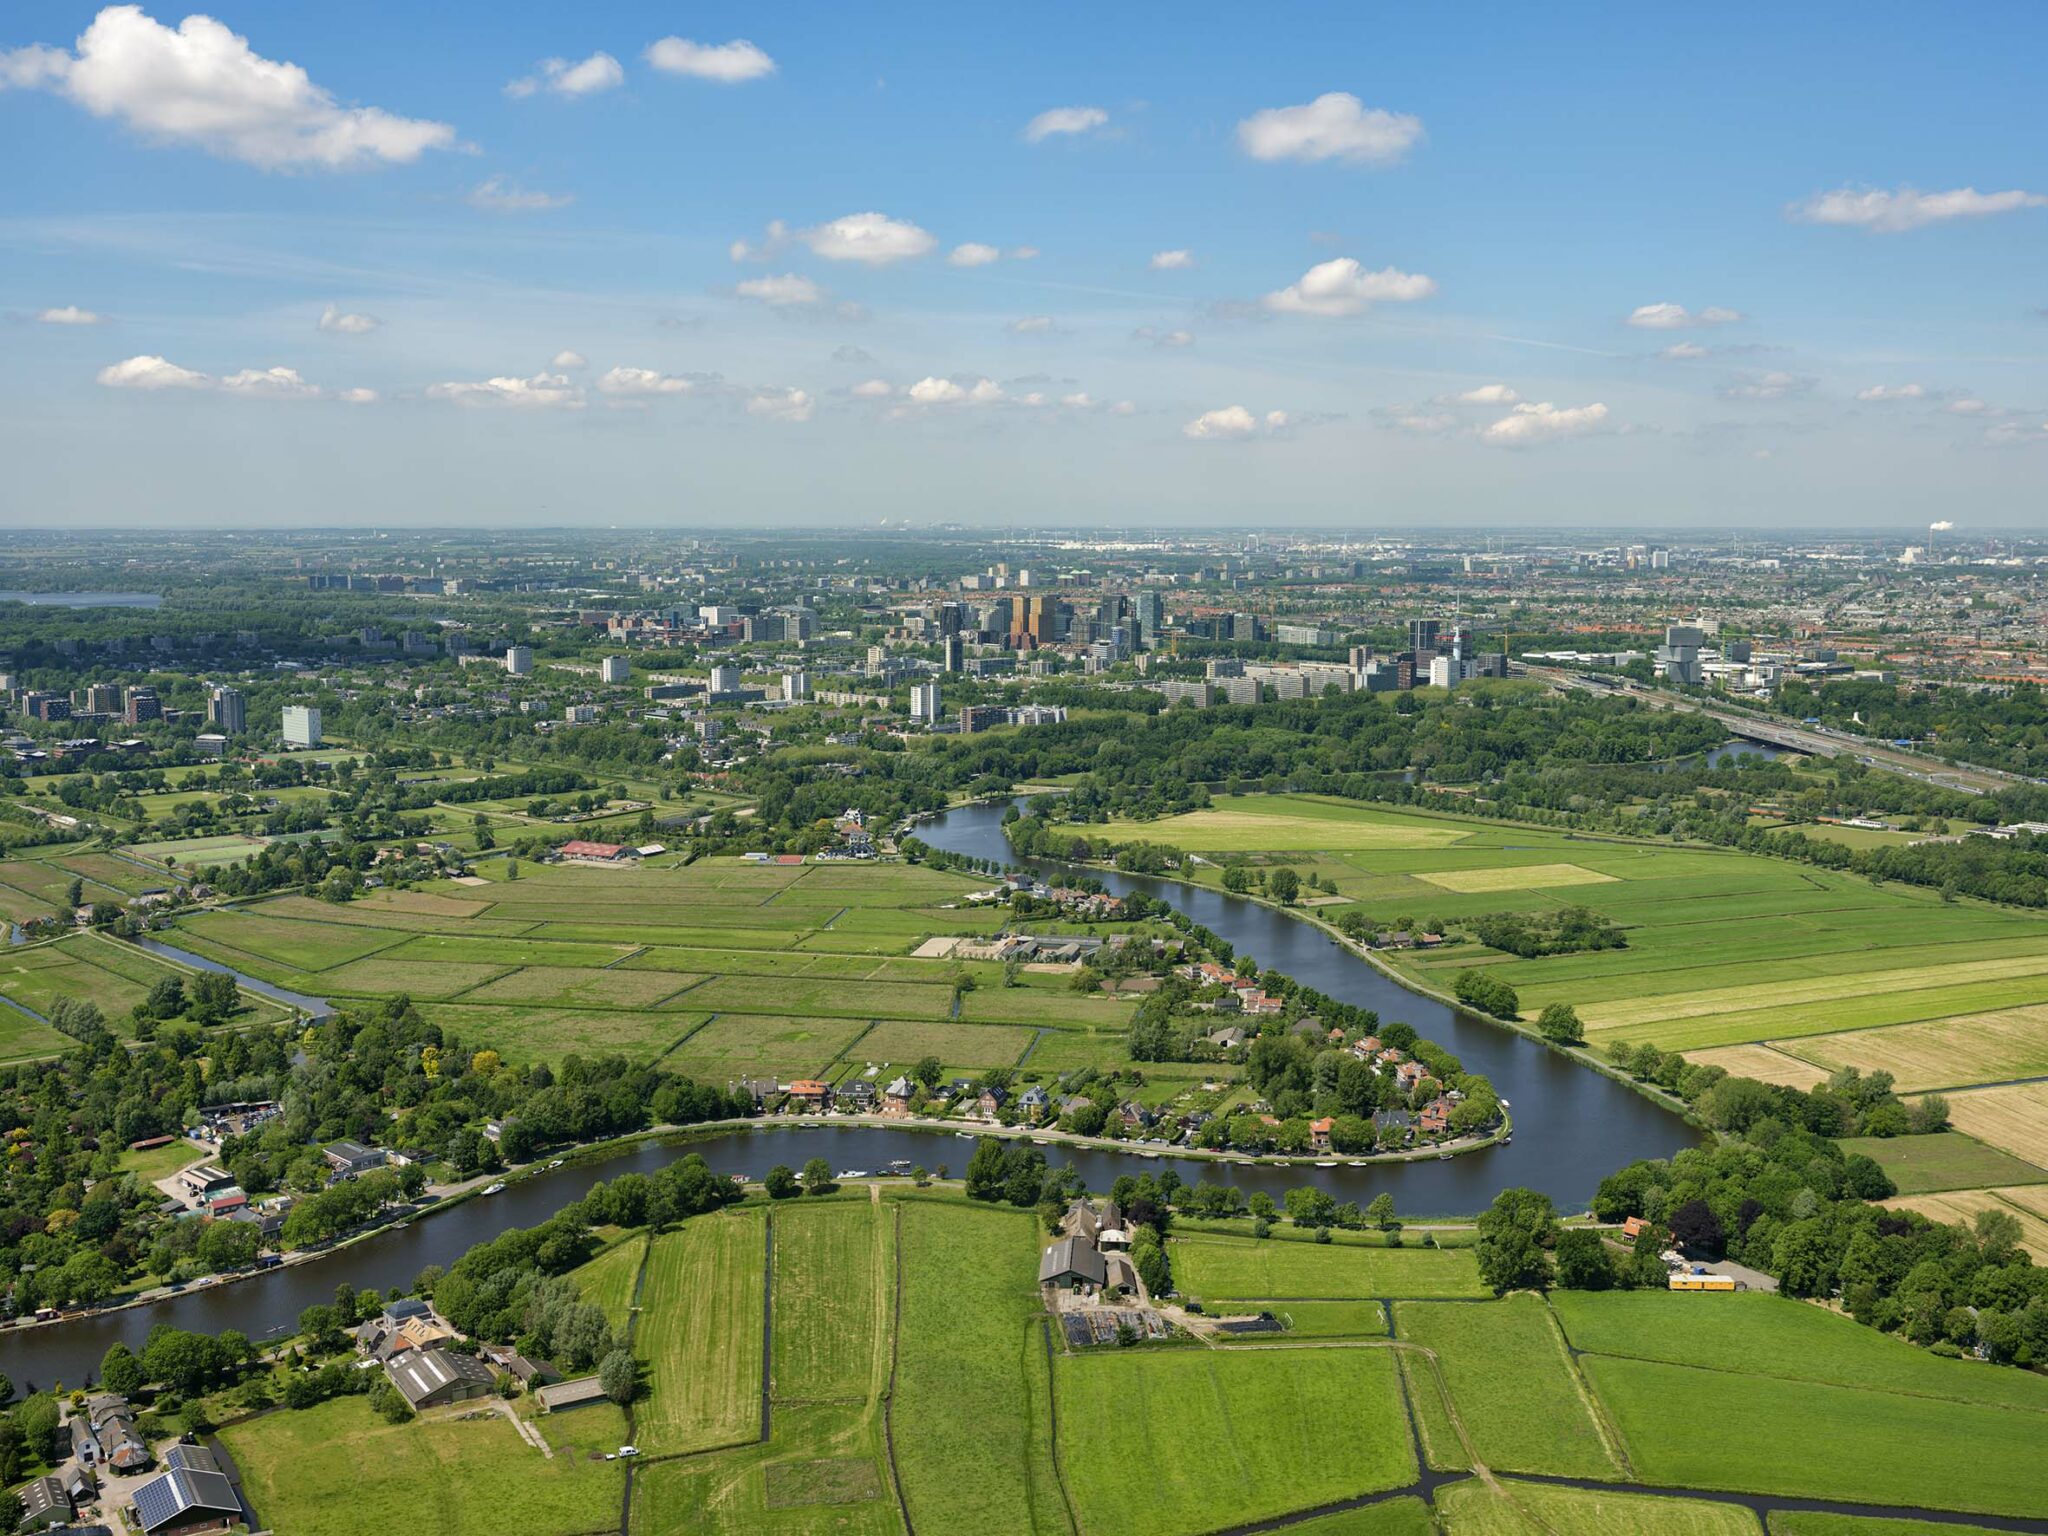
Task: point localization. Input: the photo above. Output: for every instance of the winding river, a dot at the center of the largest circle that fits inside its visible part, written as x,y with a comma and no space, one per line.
1572,1127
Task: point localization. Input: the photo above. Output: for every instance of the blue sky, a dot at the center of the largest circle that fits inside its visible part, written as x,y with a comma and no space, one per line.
1592,266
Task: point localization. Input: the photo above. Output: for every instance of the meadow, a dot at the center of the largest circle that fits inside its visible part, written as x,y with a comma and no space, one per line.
90,967
1536,1509
1943,1160
608,1280
1217,1268
699,1337
834,1273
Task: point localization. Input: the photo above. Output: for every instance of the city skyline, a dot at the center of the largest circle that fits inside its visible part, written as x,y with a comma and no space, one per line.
728,269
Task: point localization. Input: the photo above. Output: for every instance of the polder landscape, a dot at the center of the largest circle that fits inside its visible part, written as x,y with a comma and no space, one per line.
1495,1110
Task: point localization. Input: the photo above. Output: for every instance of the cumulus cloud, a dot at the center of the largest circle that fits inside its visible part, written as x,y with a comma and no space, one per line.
1343,287
937,391
358,396
873,389
559,77
203,86
781,404
732,63
1172,261
1033,325
771,242
151,373
643,382
68,314
1969,405
1775,385
500,195
1488,394
973,255
1676,317
544,391
1335,126
1542,422
871,238
1881,394
269,384
1165,340
1908,208
1685,352
789,291
568,361
1080,400
1233,423
336,321
1064,121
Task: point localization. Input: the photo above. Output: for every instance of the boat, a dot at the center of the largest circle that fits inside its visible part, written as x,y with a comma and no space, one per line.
962,1136
1358,1162
1325,1164
851,1173
495,1189
898,1164
1443,1157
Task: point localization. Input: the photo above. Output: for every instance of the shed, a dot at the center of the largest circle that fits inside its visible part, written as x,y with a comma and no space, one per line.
1071,1261
570,1394
432,1377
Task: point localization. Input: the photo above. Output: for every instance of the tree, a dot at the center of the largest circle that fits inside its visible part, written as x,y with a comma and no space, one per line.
781,1182
818,1177
1283,885
1559,1023
1308,1206
619,1374
1695,1227
1583,1262
120,1371
1381,1211
928,1071
1513,1234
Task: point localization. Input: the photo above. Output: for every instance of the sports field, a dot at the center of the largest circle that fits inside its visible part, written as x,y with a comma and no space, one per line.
722,968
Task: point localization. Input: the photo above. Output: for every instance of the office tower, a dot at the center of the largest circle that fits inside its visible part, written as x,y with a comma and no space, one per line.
301,726
955,650
229,710
1422,636
924,702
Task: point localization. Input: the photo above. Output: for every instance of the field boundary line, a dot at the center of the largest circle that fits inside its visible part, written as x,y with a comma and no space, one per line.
889,1394
1596,1410
1052,1398
1811,1381
682,1039
767,1321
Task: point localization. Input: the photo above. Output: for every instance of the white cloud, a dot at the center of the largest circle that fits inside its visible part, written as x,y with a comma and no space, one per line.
202,85
732,63
973,255
1123,408
773,241
567,361
872,238
936,391
357,396
1343,287
639,382
1776,385
1685,352
781,405
1907,208
1543,422
68,314
1166,340
335,320
789,291
1488,394
558,77
1969,405
1056,121
1335,126
1676,317
544,391
1171,261
1080,400
151,373
1223,425
1879,394
270,384
498,195
1024,253
873,389
1032,325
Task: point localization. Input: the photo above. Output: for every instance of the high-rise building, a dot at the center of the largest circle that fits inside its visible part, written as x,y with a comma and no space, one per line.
796,686
301,726
1148,611
141,705
1422,636
725,678
45,706
519,660
229,710
955,650
614,669
924,702
102,699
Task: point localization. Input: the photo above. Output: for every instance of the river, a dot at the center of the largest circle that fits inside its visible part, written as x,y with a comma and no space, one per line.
1572,1127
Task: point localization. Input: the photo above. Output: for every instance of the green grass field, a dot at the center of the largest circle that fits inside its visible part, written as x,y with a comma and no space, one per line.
834,1287
1513,1384
338,1470
824,1472
972,1409
699,1337
1214,1268
1535,1509
1806,1522
607,1280
1944,1160
1224,1437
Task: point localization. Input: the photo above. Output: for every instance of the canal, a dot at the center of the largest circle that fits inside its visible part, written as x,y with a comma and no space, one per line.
1572,1127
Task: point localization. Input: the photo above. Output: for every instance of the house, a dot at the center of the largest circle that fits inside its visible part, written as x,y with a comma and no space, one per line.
1633,1227
85,1446
1319,1132
857,1096
346,1157
44,1503
1229,1038
113,1426
431,1377
809,1095
992,1101
205,1180
1072,1261
585,852
1435,1118
896,1097
570,1394
1081,1220
1408,1074
522,1370
191,1494
1033,1102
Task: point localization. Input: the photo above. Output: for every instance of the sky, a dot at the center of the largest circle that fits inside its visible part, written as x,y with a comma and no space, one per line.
301,264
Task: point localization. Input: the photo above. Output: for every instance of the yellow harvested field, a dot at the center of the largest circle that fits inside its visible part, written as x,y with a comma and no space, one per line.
1231,831
2032,1198
1761,1062
2012,1118
1962,1205
1815,989
1936,1053
1525,877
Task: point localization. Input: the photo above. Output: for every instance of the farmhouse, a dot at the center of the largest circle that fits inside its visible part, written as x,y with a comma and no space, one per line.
113,1428
581,851
191,1494
431,1377
1072,1261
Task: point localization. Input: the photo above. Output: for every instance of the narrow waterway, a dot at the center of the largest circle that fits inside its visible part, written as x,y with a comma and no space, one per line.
1572,1127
